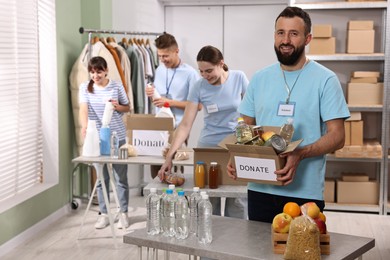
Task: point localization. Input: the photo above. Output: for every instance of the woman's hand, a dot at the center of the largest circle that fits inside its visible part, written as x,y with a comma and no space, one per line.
166,167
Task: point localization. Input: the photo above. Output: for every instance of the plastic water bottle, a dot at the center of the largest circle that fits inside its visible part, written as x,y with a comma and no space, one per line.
163,195
169,214
166,111
205,210
114,145
287,130
181,216
242,131
153,213
194,199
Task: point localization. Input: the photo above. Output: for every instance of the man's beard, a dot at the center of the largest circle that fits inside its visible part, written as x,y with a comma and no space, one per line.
289,59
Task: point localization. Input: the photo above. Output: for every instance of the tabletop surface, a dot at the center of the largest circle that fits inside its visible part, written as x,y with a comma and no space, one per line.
240,239
228,191
149,160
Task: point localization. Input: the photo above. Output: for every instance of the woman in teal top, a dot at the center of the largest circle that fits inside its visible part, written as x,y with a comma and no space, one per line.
220,92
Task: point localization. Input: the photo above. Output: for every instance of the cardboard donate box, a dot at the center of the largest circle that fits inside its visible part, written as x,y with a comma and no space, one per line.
149,134
256,163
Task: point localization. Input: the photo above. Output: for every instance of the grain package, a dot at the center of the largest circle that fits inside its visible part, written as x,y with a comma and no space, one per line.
303,241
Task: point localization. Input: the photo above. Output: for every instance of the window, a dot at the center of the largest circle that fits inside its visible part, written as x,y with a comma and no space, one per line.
28,102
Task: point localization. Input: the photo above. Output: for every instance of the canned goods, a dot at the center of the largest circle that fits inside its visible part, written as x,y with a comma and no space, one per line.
278,143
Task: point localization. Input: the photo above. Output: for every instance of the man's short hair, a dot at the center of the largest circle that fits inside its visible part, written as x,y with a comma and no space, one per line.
292,11
166,41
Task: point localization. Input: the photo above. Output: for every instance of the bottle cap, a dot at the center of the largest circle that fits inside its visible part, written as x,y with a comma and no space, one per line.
169,191
213,163
200,162
195,189
181,193
240,119
205,196
166,104
171,186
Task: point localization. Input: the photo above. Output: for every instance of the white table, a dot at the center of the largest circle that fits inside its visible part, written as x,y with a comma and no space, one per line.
99,162
238,239
226,191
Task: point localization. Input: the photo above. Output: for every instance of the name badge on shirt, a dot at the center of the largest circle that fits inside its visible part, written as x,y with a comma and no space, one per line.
286,109
212,108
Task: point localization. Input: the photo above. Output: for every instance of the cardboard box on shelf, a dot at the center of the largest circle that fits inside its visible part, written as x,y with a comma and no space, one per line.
364,80
256,163
322,30
360,25
357,132
347,130
350,176
360,41
369,149
219,155
355,116
149,134
368,192
365,94
329,190
366,74
322,46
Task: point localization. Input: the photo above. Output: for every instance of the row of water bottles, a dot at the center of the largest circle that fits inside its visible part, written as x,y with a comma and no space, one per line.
172,215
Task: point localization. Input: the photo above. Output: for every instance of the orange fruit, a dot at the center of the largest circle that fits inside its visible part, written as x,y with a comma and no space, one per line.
292,209
322,216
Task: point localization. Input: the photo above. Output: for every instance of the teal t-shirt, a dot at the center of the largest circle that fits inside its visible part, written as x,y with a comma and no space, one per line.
220,105
176,83
318,97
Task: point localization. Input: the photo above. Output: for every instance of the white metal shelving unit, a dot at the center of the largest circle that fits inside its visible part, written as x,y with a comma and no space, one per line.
383,206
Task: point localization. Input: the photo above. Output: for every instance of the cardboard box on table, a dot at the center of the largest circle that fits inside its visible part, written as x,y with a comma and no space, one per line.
149,134
256,163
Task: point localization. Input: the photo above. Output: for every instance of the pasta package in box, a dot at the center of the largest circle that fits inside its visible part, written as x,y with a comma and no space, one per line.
149,134
256,163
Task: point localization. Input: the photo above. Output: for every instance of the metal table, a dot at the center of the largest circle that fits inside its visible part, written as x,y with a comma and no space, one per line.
238,239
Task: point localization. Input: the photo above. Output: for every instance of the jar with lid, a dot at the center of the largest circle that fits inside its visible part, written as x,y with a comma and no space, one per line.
258,131
213,175
200,175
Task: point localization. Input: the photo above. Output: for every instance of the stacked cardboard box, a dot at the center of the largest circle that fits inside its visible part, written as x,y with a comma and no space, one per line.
352,182
322,41
364,88
329,190
353,132
361,37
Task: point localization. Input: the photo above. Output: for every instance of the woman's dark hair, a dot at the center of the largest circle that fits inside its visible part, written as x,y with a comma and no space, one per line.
96,63
211,54
293,11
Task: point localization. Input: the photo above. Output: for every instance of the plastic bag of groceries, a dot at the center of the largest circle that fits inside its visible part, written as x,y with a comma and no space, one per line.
303,240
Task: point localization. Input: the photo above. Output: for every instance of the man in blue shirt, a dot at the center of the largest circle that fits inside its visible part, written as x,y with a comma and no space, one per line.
309,93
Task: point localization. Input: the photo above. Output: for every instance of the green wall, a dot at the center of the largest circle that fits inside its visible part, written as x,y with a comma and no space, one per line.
70,15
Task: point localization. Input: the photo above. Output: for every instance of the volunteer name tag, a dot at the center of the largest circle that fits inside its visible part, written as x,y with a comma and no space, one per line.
285,109
212,108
